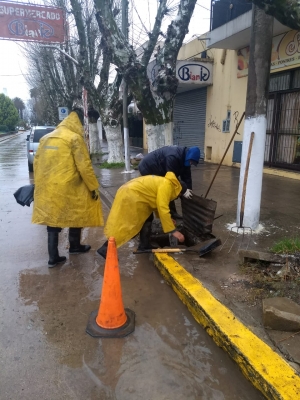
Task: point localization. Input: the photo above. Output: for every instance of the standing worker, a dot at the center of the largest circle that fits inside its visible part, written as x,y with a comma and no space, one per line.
134,205
66,188
172,159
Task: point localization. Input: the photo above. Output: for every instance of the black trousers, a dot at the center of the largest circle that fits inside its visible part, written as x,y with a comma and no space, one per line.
55,229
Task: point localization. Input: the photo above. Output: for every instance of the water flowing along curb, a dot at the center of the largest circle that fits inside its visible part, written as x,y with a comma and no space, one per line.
265,369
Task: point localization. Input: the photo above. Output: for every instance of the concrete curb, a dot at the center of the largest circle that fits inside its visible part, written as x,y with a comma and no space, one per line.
9,136
265,369
277,172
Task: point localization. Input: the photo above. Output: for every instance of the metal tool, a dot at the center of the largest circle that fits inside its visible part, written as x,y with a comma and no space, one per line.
229,144
235,229
211,245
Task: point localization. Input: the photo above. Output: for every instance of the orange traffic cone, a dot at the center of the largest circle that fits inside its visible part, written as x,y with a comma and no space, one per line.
112,320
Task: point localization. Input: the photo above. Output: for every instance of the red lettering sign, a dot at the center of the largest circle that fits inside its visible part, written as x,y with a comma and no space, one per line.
31,23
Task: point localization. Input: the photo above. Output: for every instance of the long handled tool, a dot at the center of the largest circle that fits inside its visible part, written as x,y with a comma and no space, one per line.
240,226
229,144
200,251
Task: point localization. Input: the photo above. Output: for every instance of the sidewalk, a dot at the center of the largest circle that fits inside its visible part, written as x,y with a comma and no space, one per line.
225,298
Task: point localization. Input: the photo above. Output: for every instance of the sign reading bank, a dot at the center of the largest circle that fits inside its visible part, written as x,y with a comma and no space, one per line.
31,22
192,72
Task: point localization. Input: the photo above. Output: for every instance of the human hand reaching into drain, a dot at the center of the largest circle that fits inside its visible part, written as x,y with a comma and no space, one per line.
178,236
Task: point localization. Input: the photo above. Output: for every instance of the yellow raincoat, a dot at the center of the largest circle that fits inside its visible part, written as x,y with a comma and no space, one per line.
136,200
64,178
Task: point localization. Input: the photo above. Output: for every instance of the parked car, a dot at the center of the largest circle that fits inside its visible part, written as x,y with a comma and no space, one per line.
21,128
33,140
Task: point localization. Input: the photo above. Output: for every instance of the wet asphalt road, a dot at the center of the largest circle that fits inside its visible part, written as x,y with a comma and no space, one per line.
45,352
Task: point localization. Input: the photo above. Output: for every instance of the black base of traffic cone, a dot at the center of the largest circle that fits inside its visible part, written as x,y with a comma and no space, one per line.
94,330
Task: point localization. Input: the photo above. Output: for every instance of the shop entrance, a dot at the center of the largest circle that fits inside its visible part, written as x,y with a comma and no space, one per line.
283,121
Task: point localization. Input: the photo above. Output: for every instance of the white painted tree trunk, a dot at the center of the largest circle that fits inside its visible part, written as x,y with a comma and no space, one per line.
159,135
94,139
115,144
258,125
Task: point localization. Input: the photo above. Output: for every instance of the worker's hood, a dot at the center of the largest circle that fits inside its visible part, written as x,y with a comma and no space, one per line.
172,177
193,155
72,122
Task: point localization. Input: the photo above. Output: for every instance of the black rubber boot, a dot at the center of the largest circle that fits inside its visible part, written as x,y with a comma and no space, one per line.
173,210
54,257
102,251
74,239
145,236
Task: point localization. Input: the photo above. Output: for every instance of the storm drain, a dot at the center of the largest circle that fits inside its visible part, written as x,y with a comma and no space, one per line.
198,217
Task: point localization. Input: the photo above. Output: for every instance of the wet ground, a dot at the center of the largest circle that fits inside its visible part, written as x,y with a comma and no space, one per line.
45,352
240,287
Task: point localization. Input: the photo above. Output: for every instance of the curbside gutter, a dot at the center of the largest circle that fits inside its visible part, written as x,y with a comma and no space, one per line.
264,368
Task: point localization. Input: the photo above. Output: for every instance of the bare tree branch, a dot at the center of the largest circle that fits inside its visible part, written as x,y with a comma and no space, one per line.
285,11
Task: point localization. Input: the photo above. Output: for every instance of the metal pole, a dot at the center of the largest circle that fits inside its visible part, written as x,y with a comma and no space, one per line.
229,144
125,90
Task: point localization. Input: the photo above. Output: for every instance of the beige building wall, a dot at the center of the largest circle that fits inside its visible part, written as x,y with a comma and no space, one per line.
227,93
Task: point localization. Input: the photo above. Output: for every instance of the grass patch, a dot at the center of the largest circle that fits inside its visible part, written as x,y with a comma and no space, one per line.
107,165
286,246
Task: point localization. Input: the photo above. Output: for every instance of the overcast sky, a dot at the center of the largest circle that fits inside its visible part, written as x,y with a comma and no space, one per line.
13,66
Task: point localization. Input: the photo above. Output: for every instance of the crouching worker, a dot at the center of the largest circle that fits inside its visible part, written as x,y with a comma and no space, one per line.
66,188
133,207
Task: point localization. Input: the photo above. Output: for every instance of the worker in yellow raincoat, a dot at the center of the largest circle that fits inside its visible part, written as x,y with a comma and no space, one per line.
133,207
66,188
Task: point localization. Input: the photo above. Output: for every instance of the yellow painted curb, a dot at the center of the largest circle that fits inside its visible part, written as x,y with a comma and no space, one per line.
277,172
267,371
282,173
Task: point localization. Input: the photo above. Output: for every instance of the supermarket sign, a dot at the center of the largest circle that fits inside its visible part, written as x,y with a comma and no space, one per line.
31,23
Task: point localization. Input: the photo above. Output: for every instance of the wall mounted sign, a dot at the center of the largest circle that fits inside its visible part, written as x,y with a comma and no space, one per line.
31,23
285,52
198,73
187,72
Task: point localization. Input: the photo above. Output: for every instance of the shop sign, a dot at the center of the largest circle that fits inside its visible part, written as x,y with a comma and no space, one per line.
198,73
285,53
186,72
31,22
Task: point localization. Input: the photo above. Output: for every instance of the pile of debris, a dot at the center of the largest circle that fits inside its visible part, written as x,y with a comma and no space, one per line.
275,266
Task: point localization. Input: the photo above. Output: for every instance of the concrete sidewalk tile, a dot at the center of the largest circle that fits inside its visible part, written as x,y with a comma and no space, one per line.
267,371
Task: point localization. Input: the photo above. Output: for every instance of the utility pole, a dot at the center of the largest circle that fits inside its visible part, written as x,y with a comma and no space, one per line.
256,115
125,91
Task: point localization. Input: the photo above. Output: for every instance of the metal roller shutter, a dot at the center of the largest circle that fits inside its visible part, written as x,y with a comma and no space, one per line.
189,118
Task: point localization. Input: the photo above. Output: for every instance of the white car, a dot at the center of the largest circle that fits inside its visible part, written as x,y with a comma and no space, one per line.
33,141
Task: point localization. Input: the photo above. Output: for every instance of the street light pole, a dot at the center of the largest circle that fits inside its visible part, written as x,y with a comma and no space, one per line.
125,91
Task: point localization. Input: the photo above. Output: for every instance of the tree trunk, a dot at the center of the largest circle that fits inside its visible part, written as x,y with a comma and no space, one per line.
159,135
255,118
115,144
94,139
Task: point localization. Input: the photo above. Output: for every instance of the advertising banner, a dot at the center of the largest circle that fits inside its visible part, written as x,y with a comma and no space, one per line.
285,53
31,23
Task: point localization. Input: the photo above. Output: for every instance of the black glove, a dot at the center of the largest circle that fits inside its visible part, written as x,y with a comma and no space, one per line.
95,194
